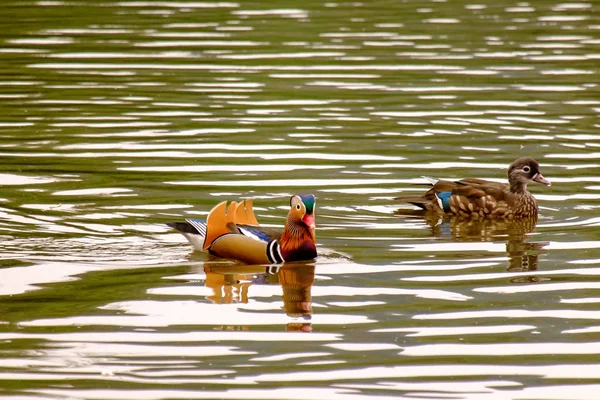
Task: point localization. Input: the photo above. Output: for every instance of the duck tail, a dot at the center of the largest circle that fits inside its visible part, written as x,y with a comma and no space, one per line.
417,201
185,227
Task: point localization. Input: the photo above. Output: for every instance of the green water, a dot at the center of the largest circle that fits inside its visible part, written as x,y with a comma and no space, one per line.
117,117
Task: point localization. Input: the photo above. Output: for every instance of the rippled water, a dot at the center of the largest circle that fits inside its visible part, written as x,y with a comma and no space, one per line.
116,117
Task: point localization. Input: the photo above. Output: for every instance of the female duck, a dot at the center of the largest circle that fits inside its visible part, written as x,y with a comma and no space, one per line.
481,198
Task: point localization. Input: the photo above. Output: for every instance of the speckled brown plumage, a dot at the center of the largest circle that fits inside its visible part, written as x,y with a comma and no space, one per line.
478,198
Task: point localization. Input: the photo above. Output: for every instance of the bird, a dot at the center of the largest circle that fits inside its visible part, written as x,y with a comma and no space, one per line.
232,231
475,198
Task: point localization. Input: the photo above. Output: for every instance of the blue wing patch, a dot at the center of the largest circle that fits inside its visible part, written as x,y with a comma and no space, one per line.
255,233
444,200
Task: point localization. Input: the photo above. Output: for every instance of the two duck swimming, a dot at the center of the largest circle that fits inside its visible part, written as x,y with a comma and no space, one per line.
233,231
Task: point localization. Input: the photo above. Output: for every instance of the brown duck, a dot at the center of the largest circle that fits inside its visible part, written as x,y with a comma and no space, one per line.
481,198
233,232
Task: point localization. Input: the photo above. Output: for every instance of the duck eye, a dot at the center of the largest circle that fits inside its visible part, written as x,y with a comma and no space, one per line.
526,169
298,206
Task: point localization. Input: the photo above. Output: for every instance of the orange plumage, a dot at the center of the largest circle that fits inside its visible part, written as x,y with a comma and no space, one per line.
233,232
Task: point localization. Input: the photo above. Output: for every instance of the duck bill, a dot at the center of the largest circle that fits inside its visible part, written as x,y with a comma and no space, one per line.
309,220
540,179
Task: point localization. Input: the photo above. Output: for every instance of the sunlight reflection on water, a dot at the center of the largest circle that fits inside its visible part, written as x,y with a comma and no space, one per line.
124,116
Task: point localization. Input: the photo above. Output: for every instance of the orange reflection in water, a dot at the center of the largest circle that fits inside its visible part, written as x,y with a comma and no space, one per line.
230,284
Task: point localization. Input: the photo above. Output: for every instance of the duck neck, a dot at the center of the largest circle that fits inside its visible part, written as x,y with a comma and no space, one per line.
517,187
298,241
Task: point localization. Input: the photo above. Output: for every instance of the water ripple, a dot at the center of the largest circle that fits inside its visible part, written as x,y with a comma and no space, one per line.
131,114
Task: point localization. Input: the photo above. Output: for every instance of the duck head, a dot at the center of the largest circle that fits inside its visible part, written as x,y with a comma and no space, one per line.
522,171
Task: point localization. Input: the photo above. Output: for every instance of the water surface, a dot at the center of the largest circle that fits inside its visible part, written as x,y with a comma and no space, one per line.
116,117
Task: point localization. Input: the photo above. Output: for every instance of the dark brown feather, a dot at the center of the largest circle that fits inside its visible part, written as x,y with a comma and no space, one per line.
183,227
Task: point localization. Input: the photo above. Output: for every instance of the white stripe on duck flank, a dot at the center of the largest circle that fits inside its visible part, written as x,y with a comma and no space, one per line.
274,253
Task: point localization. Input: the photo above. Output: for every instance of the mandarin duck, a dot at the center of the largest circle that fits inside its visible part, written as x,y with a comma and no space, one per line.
480,198
233,232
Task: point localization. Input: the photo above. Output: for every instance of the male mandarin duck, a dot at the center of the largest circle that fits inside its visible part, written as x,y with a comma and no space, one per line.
234,232
480,198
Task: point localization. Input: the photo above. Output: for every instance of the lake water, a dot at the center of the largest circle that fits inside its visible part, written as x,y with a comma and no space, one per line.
117,117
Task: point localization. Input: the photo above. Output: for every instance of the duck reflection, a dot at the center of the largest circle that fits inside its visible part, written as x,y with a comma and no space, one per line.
523,254
230,284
